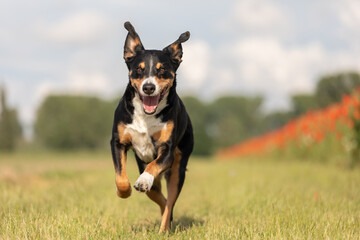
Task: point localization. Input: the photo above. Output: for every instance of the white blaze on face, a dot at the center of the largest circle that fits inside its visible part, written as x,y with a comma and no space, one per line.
150,80
151,101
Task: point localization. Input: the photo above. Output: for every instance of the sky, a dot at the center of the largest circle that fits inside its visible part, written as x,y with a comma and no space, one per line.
273,48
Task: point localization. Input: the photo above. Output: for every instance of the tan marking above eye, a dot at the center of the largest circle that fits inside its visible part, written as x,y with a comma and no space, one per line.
142,65
158,65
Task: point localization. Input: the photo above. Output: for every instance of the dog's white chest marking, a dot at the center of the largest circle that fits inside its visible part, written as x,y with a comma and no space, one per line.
141,129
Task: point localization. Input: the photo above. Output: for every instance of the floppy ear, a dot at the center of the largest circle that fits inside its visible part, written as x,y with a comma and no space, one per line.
132,43
175,49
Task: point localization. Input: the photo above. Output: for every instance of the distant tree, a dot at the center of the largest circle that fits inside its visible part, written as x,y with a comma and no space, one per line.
74,122
10,128
301,103
274,120
198,112
331,88
234,118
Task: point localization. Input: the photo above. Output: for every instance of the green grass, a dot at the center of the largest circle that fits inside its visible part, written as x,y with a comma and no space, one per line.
72,196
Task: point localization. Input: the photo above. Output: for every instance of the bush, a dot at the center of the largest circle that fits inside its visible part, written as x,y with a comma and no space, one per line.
10,129
73,122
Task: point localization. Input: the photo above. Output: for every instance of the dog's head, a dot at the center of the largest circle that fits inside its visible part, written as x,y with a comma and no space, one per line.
151,72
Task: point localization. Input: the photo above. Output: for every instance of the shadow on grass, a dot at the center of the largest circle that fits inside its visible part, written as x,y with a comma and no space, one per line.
185,222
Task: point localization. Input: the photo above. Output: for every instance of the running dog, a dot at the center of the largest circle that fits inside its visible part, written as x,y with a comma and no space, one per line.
151,120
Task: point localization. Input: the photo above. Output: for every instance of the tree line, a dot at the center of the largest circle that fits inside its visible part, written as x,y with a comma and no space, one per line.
10,128
69,122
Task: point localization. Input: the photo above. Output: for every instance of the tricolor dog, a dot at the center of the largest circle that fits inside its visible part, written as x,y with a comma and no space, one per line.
152,121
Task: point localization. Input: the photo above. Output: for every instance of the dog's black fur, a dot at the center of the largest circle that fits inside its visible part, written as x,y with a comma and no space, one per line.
151,119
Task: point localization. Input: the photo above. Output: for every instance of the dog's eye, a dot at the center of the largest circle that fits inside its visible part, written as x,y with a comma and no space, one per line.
139,70
161,70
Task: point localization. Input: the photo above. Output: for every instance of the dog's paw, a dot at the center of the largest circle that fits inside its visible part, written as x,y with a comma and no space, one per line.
123,187
144,182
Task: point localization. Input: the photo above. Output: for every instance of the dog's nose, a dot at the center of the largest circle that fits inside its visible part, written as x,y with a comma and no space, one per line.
149,88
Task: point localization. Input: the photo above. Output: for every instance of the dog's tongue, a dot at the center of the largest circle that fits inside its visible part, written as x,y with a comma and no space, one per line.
150,103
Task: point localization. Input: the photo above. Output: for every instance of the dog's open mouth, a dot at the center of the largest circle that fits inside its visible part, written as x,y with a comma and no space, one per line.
150,103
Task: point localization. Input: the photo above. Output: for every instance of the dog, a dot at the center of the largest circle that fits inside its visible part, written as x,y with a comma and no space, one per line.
151,120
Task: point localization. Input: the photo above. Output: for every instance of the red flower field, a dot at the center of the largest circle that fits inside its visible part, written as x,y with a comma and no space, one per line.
308,130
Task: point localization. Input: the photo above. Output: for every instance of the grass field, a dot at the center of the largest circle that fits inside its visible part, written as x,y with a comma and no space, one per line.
72,196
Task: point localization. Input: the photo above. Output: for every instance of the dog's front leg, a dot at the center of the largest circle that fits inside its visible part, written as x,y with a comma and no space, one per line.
155,168
121,179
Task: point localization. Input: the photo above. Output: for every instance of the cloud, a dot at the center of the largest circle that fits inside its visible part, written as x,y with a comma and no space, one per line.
270,67
349,14
266,60
195,66
263,57
85,82
258,14
81,27
256,17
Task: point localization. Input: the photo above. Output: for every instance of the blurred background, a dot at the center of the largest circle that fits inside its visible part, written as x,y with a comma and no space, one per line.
250,66
273,84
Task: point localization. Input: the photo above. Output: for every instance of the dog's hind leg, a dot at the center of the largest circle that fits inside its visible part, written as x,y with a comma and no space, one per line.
175,176
156,195
174,180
